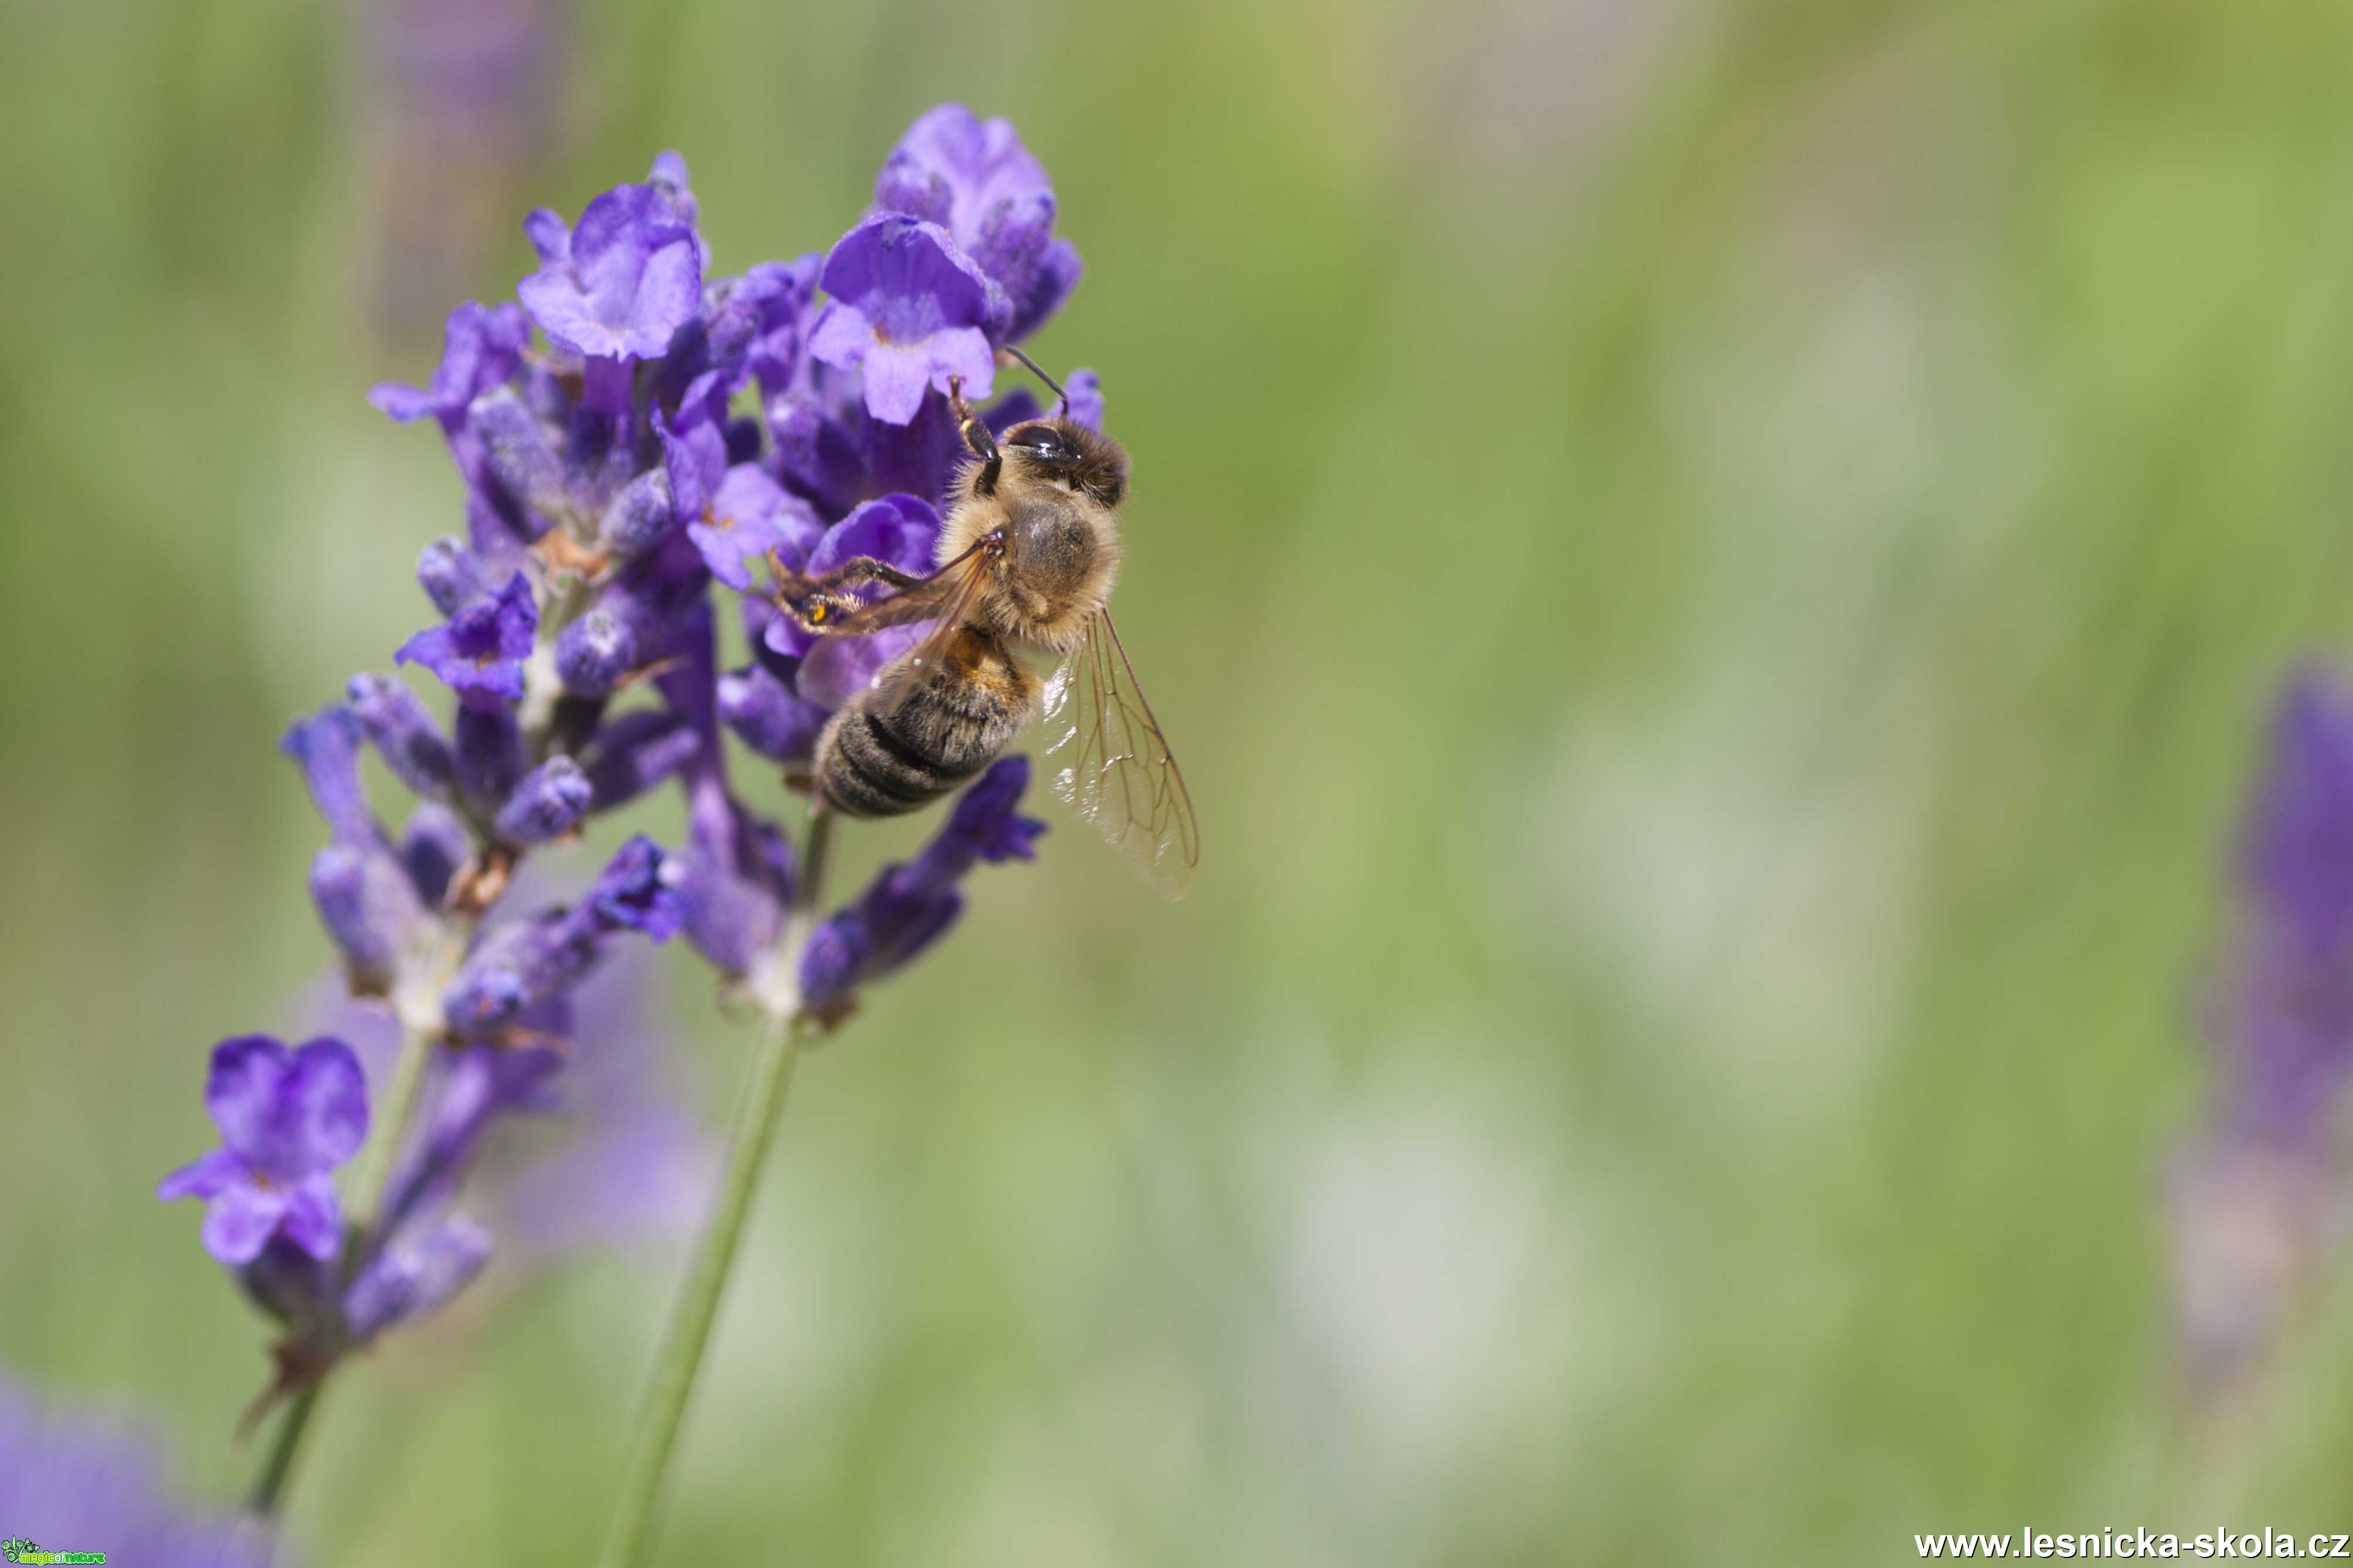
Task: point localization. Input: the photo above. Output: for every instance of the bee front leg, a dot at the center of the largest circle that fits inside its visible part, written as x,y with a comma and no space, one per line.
976,437
821,604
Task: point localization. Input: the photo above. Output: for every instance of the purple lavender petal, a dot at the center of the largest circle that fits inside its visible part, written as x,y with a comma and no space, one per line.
483,646
911,309
239,1220
241,1092
320,1116
314,1221
1056,274
637,889
480,349
839,668
749,515
976,179
630,277
1085,389
206,1177
900,530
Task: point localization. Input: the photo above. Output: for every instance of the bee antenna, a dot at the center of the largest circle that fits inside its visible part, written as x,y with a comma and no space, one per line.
1052,385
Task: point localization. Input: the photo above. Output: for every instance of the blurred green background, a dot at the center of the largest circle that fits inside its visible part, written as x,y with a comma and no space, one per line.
1717,572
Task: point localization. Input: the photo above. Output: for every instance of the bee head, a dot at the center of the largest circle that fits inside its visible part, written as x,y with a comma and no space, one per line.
1065,452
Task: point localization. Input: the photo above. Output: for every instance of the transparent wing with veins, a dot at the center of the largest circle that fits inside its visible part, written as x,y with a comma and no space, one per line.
1113,765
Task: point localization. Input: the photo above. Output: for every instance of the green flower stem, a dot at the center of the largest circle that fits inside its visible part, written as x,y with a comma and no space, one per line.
366,1204
688,1334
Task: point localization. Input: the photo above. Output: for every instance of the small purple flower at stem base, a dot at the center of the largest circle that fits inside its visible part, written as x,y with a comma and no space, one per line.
286,1118
911,310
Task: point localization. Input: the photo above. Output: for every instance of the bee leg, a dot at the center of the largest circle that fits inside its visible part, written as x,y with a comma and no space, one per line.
820,605
976,437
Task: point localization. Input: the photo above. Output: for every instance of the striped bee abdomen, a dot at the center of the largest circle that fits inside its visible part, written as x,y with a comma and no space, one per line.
878,757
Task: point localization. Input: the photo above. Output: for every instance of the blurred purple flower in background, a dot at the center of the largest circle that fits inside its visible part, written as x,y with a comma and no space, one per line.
81,1482
456,107
2255,1197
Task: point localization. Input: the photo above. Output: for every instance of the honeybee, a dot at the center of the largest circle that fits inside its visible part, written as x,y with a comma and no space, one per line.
1027,553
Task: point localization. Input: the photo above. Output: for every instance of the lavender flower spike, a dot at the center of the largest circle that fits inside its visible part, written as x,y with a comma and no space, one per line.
286,1118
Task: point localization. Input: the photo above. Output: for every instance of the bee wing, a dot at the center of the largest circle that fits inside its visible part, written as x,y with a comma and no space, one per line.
1114,766
953,588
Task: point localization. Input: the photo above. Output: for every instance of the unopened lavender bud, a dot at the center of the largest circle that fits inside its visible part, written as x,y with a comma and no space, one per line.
326,748
768,717
489,752
639,517
368,905
594,652
637,752
516,447
405,734
413,1276
433,846
548,804
452,575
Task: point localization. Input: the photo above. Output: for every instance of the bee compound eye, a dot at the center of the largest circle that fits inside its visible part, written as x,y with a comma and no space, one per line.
1042,442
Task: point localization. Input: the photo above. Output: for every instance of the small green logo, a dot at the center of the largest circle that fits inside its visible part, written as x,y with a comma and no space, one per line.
16,1549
